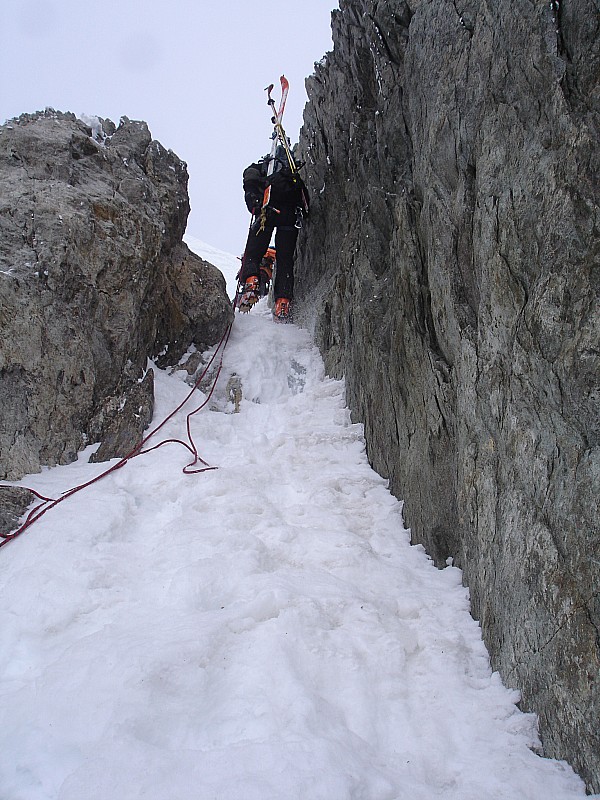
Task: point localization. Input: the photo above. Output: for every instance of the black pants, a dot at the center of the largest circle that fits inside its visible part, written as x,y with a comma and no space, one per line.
285,243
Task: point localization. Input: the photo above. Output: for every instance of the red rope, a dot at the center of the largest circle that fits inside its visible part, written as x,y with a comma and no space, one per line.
49,503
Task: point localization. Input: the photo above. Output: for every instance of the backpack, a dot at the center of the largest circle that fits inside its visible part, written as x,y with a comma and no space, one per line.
285,184
255,177
287,188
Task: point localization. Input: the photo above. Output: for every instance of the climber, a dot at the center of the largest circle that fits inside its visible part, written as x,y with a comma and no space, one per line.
265,276
288,204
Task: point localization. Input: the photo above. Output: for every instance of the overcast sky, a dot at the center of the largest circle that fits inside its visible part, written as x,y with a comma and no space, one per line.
195,71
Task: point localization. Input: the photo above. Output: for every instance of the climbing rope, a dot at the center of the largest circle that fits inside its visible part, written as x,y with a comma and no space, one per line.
190,469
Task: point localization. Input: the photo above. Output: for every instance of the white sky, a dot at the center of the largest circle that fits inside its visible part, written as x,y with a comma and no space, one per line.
195,71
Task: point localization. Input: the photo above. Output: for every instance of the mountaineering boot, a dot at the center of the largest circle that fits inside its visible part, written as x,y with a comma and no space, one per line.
250,295
281,312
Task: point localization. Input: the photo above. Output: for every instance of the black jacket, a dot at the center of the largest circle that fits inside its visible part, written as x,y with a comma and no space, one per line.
287,189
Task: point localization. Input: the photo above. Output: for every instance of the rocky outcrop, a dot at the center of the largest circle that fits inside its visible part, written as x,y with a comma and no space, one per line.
94,279
14,501
452,271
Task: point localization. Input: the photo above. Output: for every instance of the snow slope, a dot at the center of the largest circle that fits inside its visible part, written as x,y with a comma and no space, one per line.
263,631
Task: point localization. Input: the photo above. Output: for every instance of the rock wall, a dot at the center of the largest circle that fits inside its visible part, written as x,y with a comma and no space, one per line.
94,279
451,272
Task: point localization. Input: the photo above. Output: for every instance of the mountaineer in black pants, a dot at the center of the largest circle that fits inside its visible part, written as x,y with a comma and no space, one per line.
288,204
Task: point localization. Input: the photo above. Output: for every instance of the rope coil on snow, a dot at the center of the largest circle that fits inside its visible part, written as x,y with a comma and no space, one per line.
49,503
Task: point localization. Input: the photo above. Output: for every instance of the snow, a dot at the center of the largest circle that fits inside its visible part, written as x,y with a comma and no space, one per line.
257,632
94,123
228,264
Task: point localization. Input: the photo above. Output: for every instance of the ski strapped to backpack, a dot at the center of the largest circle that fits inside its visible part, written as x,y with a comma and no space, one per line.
276,120
279,138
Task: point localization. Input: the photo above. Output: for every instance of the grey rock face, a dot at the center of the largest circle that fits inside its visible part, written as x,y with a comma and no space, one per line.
453,265
94,279
122,420
14,501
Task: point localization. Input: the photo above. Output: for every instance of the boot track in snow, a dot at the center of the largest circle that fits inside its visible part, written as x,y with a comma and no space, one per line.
258,632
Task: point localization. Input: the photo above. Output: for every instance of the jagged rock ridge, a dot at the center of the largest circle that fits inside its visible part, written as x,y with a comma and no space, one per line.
94,279
453,258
